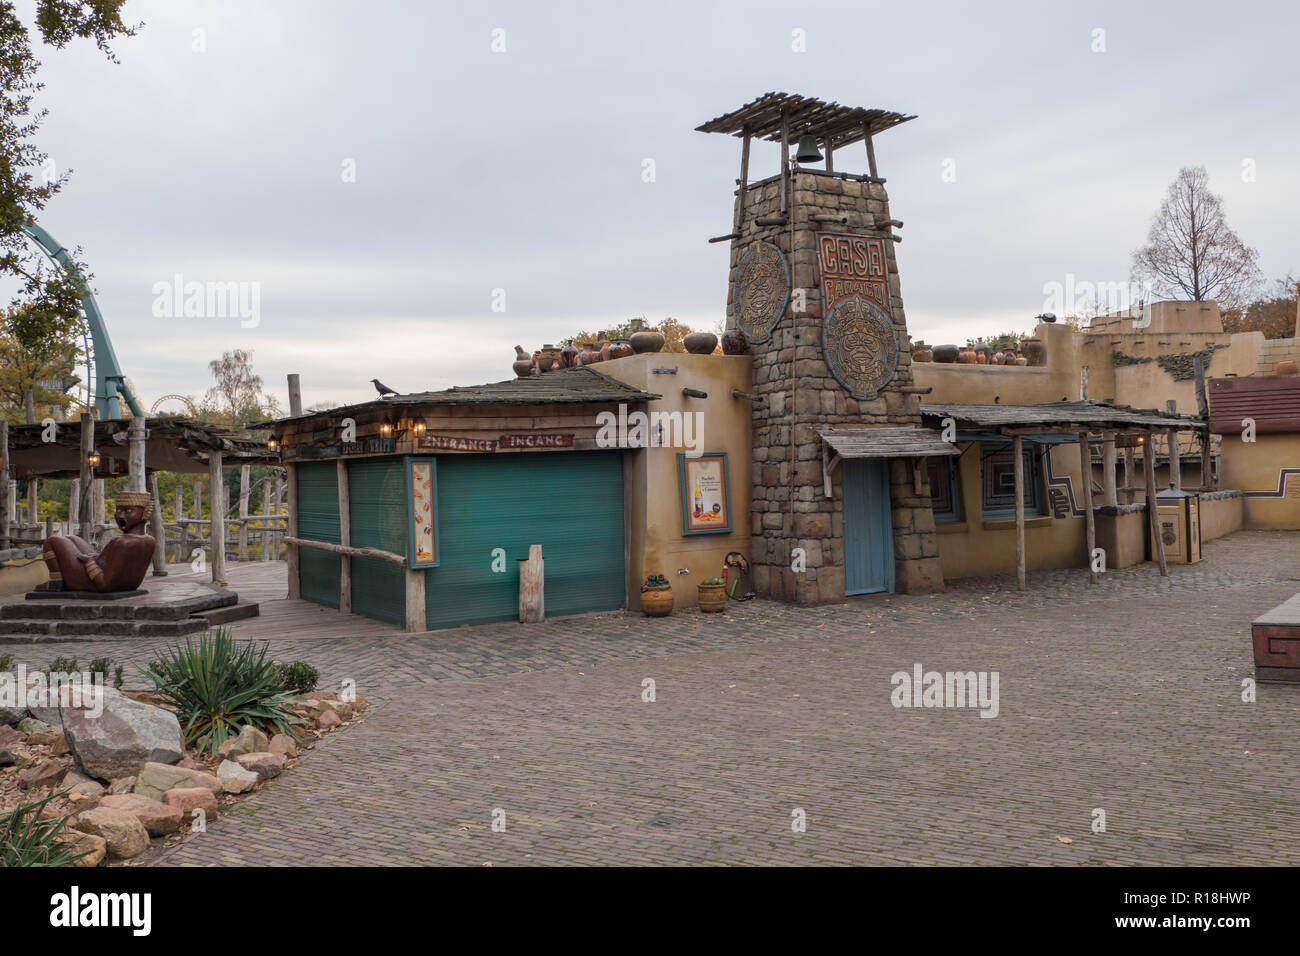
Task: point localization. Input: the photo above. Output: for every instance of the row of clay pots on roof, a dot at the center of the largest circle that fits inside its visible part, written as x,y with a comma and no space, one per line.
1033,352
549,358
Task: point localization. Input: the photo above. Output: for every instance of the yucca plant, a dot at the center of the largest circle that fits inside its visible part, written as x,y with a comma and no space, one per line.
28,840
218,685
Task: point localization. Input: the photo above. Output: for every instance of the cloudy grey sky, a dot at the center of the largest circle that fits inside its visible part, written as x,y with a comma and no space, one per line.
521,170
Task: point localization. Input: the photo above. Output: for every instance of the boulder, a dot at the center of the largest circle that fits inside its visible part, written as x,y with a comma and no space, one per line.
125,736
328,720
284,745
158,818
250,740
155,779
189,799
6,758
94,847
47,773
124,836
265,765
340,707
82,787
31,725
11,735
122,785
10,715
234,778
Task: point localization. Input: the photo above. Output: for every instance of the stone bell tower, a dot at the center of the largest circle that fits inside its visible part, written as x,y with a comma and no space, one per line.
814,287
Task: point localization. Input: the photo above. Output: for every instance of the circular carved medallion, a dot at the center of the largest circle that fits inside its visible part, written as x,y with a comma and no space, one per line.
762,291
860,346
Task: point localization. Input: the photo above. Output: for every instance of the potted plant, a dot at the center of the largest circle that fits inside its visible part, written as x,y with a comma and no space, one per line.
656,596
713,596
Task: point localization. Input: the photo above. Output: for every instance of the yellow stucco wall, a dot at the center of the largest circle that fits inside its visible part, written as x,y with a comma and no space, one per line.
1258,466
655,543
1220,516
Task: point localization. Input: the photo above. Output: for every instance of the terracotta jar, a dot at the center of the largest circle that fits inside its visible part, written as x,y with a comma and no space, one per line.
523,363
998,359
1035,350
922,352
645,340
982,353
569,355
945,353
1286,367
1021,360
700,343
656,601
604,350
734,342
547,358
589,354
620,348
966,355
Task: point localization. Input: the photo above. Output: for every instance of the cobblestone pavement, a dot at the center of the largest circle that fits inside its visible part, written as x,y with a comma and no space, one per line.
1124,697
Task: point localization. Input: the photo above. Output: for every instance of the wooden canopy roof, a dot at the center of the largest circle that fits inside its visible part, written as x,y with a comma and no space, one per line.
831,122
903,441
1057,417
1271,401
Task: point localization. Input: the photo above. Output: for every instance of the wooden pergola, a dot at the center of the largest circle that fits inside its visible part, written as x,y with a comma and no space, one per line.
1077,421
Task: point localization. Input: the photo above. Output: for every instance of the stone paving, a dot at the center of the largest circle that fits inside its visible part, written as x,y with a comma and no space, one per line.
1124,697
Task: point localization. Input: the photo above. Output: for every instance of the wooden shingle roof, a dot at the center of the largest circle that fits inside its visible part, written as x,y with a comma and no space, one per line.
902,441
1062,416
831,122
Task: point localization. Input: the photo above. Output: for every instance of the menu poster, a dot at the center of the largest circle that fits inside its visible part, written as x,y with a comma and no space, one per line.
422,495
706,499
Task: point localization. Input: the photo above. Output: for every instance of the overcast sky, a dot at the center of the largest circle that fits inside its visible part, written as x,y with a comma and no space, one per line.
522,170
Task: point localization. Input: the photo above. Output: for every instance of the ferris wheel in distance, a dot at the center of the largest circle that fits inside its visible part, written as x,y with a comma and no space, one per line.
187,406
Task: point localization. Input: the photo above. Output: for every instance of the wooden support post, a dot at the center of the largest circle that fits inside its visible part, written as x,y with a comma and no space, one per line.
136,437
159,530
1175,461
33,503
85,510
243,512
291,550
1018,464
97,519
74,506
49,526
532,586
178,514
266,519
415,616
785,163
13,502
1085,471
1108,469
1153,520
1130,474
871,151
217,526
6,533
345,537
1203,410
198,501
295,395
744,185
830,156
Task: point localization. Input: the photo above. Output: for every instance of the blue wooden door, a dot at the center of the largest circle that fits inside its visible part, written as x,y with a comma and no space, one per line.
868,528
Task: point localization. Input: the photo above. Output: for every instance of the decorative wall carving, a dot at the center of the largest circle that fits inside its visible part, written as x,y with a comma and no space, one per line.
762,291
860,346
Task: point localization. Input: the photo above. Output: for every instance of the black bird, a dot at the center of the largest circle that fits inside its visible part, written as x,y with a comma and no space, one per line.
381,388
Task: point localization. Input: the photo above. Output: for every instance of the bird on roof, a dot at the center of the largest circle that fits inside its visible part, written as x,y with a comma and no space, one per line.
383,390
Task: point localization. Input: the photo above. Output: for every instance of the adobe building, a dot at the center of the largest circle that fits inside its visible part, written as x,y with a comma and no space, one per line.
837,483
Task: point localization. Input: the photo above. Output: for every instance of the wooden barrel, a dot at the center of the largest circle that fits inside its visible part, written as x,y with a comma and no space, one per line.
713,598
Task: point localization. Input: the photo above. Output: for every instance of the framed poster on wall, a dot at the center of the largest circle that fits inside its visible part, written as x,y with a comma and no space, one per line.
422,512
706,493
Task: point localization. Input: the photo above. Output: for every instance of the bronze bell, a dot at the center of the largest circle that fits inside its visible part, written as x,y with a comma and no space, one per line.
807,151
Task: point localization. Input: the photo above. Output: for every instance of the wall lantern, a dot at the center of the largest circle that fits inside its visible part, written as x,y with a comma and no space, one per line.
418,428
386,429
272,444
93,459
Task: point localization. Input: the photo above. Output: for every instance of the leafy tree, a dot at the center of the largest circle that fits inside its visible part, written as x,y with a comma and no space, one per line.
48,300
38,347
236,399
1274,315
1191,252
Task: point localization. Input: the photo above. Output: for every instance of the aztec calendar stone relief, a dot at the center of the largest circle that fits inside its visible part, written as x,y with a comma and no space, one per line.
762,291
860,346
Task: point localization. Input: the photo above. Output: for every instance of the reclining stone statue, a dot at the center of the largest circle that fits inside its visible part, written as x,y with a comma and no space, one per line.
75,566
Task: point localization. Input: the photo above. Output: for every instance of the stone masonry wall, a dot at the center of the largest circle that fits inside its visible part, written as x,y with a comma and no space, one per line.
795,394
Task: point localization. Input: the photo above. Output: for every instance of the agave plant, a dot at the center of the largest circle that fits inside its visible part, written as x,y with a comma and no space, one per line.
218,685
26,839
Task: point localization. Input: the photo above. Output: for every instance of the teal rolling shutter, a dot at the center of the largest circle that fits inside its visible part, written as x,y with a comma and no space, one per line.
571,503
377,490
318,520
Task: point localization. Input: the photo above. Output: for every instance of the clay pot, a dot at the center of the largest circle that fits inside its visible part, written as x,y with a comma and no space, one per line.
523,365
713,598
700,343
998,359
1286,367
620,348
983,354
1021,360
645,340
547,358
945,353
604,350
966,356
734,342
569,355
657,602
589,354
1035,350
922,352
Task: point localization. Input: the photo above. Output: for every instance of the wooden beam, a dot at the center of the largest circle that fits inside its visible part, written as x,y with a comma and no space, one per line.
217,527
532,583
415,607
291,536
266,519
159,530
135,461
1130,473
828,466
1085,471
1108,470
871,151
1018,464
785,162
6,539
830,156
295,394
744,185
389,556
345,537
85,508
1175,461
1153,520
243,512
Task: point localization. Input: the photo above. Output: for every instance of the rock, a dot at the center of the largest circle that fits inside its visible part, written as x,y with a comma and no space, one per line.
250,740
155,779
265,765
234,778
189,799
340,707
79,786
11,715
158,818
122,785
284,745
187,763
47,773
30,725
123,738
94,847
11,735
54,738
328,720
6,758
124,836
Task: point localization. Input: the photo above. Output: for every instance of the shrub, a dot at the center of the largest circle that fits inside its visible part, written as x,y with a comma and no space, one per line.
64,665
104,666
298,677
6,662
218,685
27,840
